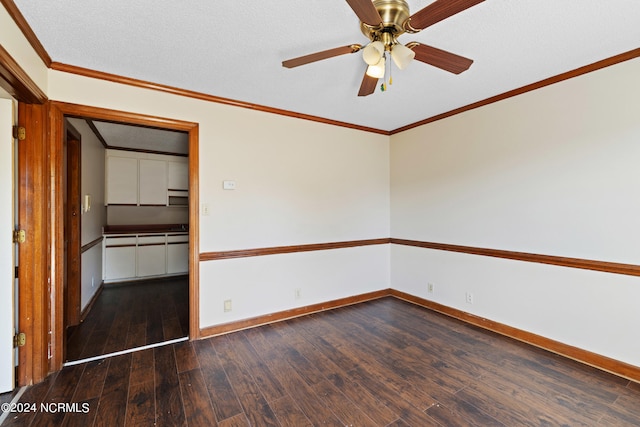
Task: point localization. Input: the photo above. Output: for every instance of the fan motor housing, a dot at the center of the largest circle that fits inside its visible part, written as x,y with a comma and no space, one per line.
394,14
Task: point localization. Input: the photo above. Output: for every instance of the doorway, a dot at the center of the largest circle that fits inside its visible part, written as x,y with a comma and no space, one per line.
126,259
58,113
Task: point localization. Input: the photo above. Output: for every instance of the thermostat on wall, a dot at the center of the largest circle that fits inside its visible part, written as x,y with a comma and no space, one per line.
229,185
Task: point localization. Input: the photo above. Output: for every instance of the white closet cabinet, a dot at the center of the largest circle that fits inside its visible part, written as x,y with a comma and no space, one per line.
145,179
177,254
122,180
152,253
178,175
153,182
120,257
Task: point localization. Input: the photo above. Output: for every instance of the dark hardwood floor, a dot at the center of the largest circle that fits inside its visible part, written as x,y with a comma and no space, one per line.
380,363
132,315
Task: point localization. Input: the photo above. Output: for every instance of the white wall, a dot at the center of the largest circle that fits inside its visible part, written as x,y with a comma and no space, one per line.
92,183
267,284
7,247
298,182
553,172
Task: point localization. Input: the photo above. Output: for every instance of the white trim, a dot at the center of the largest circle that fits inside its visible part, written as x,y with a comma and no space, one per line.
118,353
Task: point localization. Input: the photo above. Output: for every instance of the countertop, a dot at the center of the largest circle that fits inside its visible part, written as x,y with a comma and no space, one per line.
145,228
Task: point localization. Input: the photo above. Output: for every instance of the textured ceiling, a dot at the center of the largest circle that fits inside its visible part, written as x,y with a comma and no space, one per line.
117,135
130,137
234,49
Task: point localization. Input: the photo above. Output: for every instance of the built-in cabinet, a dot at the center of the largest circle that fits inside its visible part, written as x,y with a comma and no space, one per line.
121,180
135,256
178,175
177,254
145,179
152,182
119,257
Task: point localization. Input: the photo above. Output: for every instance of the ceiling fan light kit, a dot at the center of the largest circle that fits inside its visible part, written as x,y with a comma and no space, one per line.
372,53
402,56
377,70
382,22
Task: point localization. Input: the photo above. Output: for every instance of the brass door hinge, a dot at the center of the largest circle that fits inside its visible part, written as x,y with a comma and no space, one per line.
20,133
19,236
19,340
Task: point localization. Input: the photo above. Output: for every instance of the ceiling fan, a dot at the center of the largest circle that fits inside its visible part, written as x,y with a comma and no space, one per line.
382,21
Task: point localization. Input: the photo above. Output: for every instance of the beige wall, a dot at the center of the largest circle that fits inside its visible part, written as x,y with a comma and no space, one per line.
298,182
16,44
553,172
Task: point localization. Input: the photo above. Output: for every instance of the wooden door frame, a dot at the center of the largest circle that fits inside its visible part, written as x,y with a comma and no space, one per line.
57,113
34,253
72,229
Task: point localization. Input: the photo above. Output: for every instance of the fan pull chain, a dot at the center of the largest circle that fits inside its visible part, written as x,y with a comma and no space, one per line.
383,86
390,68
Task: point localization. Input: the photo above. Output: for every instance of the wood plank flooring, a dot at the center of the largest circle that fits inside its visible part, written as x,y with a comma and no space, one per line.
132,315
380,363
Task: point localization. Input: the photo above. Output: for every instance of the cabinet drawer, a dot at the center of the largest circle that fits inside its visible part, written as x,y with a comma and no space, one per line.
178,238
111,242
159,239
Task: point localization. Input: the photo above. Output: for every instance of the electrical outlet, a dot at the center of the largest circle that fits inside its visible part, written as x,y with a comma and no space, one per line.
227,305
469,297
430,288
297,293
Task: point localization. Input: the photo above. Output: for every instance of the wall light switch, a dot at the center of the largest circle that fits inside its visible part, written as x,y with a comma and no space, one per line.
229,185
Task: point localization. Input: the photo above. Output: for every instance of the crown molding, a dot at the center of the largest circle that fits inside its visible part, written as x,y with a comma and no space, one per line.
626,56
19,19
635,53
21,22
203,96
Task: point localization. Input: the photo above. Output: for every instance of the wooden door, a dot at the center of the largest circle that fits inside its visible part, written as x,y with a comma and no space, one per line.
72,230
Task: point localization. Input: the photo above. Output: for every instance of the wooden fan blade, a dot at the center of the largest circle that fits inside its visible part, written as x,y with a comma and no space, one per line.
368,85
325,54
440,58
439,10
366,12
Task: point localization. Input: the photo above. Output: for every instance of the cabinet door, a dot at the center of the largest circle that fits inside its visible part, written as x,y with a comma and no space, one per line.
177,258
152,255
122,181
153,182
178,175
120,262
